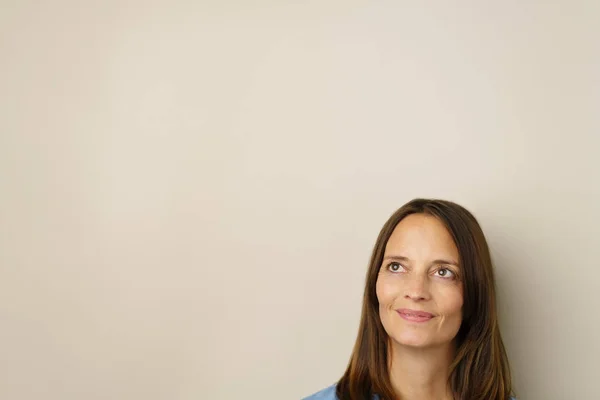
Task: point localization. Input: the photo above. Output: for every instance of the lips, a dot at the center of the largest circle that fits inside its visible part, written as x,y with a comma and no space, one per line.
414,315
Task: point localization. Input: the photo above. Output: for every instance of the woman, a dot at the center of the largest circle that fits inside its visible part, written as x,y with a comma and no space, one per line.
429,327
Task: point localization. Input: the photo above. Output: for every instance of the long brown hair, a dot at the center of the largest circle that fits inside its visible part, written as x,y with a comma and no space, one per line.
480,369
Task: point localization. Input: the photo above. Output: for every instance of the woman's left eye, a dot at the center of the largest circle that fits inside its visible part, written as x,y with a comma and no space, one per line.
445,273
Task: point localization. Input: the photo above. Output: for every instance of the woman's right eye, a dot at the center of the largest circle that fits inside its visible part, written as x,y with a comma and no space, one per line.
395,267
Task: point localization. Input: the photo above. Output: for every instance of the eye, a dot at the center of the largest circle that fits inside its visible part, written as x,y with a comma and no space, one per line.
445,273
395,267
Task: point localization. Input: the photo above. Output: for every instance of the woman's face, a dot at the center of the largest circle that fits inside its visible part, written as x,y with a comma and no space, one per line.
419,288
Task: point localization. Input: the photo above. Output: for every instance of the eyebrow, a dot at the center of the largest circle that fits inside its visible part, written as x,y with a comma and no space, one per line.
438,261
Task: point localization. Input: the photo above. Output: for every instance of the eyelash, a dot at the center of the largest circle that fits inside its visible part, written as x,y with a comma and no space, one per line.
453,275
389,266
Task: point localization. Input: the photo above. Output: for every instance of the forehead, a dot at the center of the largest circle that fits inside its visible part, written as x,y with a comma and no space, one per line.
421,236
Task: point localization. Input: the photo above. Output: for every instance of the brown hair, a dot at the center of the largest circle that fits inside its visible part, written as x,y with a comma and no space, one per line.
480,369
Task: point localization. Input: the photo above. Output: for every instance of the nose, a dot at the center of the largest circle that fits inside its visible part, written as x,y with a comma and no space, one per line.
417,288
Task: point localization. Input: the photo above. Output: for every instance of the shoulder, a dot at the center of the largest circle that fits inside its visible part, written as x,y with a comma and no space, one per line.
325,394
329,394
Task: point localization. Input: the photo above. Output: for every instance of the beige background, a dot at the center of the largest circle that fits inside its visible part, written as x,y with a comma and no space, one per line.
190,190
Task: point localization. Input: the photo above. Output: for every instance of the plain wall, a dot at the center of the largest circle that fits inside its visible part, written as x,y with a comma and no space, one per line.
190,191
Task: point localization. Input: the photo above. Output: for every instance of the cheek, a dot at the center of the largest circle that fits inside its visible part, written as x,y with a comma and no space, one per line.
452,302
386,291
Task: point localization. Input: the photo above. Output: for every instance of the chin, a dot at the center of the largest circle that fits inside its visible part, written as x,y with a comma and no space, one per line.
412,341
420,342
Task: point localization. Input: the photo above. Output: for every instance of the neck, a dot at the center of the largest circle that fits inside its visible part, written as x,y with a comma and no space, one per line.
421,374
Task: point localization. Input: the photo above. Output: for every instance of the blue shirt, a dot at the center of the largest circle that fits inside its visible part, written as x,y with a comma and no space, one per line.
329,394
325,394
